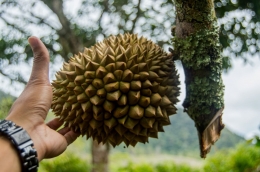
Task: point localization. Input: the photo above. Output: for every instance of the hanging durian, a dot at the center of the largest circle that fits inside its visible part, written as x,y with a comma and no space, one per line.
120,90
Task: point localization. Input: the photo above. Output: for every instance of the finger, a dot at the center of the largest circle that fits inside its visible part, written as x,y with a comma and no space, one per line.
54,124
40,71
64,130
71,137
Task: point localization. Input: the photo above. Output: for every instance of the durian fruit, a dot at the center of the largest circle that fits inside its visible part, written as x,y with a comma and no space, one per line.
120,90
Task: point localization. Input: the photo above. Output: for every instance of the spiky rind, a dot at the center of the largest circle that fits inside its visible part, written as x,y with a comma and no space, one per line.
120,90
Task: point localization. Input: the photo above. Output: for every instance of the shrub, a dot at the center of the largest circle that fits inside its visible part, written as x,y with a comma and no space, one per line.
244,158
5,105
162,167
132,167
170,166
67,162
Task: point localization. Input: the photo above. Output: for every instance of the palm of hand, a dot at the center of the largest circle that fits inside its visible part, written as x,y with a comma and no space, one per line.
30,109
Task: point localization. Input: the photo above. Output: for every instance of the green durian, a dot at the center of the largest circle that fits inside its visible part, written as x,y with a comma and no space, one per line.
120,90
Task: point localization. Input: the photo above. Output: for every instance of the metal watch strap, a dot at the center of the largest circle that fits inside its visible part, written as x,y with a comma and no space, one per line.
23,143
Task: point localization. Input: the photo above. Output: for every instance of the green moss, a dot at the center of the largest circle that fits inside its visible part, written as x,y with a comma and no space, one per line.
200,53
195,10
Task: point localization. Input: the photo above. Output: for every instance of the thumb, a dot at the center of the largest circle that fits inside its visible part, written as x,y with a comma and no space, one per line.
40,70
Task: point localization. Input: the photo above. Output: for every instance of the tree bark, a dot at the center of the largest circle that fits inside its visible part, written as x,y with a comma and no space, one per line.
100,157
196,44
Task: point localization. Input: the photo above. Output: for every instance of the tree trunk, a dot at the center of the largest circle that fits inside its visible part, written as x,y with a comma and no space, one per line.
100,157
196,44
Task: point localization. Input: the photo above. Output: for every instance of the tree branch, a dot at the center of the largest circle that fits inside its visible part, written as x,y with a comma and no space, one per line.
105,10
69,41
19,79
137,16
12,25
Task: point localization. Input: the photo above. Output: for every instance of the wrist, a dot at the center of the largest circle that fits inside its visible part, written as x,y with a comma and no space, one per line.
34,134
21,141
38,142
8,156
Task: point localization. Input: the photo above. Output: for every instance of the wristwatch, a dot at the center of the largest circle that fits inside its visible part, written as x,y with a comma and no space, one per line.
23,144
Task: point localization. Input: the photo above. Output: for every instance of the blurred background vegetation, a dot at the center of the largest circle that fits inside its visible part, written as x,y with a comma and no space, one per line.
176,150
66,31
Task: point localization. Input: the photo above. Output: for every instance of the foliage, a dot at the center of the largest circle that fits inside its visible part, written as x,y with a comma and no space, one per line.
257,141
5,105
67,162
240,28
243,158
161,167
67,26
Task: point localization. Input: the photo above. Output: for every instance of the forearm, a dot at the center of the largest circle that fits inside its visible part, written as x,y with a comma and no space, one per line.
9,159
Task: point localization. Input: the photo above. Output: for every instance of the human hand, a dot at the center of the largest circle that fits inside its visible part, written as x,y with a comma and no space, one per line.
30,109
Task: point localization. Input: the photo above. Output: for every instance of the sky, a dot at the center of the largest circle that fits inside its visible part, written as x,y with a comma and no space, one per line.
242,97
242,93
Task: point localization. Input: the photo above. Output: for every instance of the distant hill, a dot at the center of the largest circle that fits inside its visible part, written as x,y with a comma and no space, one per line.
181,138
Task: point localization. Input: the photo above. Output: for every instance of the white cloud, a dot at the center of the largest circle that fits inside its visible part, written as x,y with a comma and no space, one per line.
242,97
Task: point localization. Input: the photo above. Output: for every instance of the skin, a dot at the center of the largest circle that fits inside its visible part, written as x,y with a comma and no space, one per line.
30,110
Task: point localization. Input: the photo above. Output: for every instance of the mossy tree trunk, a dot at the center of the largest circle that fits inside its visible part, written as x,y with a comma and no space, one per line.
196,44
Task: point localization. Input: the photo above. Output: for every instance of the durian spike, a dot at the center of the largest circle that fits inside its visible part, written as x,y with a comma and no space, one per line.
98,83
165,101
96,100
120,111
122,100
112,87
113,96
136,112
129,136
146,84
133,97
101,92
124,86
150,111
144,101
118,74
109,78
135,85
90,91
147,122
130,123
109,106
156,99
127,76
121,130
110,122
